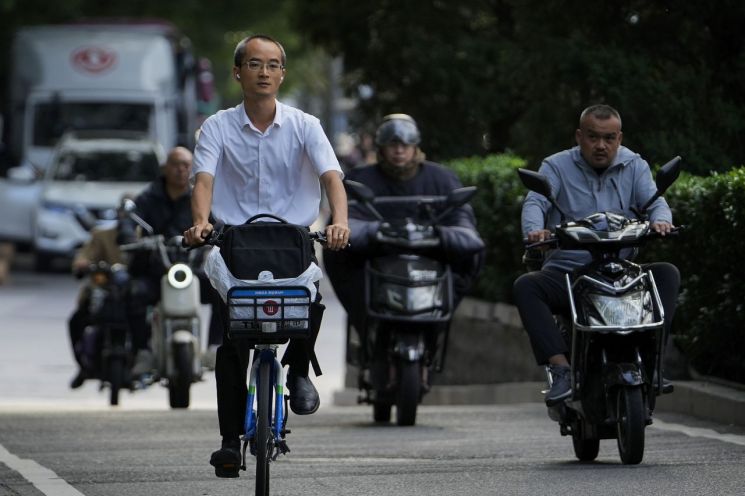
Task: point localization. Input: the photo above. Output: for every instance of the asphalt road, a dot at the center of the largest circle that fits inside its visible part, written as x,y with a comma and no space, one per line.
57,442
483,450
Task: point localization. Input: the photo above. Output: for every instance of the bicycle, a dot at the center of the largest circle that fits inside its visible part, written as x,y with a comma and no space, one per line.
269,315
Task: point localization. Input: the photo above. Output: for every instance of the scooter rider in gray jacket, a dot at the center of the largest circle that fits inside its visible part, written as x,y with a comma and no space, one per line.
596,175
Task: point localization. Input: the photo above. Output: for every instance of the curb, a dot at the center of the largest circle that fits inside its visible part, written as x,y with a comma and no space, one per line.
705,400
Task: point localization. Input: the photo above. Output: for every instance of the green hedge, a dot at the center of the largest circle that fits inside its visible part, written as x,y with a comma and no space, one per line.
710,323
497,206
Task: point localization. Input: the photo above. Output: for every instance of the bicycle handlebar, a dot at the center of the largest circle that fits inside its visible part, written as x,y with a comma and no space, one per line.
215,238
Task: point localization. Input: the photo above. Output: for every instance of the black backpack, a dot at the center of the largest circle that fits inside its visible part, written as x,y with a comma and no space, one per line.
282,248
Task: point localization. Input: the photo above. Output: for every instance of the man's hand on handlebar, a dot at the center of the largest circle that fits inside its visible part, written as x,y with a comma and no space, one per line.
662,228
337,236
195,235
540,235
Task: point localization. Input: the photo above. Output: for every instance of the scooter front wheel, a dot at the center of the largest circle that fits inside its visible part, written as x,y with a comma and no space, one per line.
180,384
585,450
408,393
630,415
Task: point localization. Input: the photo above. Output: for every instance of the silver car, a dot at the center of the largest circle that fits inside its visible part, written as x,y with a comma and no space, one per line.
87,176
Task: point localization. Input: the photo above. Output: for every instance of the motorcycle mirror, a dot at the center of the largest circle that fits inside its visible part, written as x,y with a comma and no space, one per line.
359,191
363,194
461,196
539,183
666,176
129,206
535,182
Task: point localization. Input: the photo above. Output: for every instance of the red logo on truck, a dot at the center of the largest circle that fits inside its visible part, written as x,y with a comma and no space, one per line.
271,307
93,60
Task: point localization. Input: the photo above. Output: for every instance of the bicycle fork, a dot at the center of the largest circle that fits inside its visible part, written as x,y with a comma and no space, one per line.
266,353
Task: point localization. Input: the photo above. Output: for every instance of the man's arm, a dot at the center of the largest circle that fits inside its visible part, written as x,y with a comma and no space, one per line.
201,204
337,233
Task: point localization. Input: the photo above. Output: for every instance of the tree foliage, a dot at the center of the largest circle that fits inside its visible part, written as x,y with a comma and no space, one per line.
489,75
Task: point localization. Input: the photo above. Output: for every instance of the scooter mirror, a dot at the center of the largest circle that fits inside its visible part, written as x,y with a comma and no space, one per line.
539,183
129,205
667,174
359,191
461,196
535,182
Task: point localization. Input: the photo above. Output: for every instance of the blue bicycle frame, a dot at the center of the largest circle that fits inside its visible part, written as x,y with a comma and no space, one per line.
267,352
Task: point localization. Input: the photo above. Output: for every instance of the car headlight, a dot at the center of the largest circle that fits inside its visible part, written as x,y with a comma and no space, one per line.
626,310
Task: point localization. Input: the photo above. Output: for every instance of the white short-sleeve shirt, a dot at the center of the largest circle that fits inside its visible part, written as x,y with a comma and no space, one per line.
274,172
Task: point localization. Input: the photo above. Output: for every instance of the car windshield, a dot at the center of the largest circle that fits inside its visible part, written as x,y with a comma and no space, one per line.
51,120
117,166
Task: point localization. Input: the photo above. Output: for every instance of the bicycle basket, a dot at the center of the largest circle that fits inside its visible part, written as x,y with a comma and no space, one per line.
269,314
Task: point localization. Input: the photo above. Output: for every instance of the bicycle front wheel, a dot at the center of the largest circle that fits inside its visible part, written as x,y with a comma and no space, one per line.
264,437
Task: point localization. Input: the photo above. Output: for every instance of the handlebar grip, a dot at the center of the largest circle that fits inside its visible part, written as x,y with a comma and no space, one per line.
537,244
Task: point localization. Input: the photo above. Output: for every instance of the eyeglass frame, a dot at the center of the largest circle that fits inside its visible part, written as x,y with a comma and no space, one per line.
263,65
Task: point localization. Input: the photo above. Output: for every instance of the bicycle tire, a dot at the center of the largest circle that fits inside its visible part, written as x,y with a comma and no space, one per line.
264,437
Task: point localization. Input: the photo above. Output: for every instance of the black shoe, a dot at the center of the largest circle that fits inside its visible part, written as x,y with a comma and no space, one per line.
667,386
227,460
304,398
78,380
562,384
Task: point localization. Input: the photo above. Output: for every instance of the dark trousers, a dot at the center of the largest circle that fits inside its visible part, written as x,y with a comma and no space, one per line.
231,369
542,294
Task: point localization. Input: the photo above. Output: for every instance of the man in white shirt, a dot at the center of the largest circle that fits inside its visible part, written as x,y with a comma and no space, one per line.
262,157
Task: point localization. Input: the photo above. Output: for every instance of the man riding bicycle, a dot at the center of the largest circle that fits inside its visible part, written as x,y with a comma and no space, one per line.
262,156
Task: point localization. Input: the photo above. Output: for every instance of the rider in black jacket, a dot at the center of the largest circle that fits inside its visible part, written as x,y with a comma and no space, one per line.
166,205
402,170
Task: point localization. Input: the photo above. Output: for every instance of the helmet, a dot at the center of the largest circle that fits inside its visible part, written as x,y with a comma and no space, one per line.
397,127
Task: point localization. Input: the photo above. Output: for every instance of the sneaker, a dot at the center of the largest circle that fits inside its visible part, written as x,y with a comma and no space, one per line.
144,363
227,460
304,398
667,386
561,388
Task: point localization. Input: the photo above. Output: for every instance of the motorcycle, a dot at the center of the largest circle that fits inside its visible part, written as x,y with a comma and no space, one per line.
175,319
408,301
106,343
615,331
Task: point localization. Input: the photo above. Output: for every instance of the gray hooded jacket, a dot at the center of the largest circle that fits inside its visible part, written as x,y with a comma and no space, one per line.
580,191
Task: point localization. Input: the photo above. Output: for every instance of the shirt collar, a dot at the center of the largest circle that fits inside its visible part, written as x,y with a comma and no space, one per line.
279,115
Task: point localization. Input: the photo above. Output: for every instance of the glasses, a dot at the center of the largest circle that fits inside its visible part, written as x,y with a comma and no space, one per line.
255,66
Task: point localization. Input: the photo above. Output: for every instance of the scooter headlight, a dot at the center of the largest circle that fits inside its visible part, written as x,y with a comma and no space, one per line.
626,310
180,276
414,299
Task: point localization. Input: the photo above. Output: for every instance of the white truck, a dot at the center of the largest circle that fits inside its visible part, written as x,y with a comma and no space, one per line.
138,77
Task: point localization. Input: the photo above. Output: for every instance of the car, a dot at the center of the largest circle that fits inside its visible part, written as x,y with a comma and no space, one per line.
87,176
